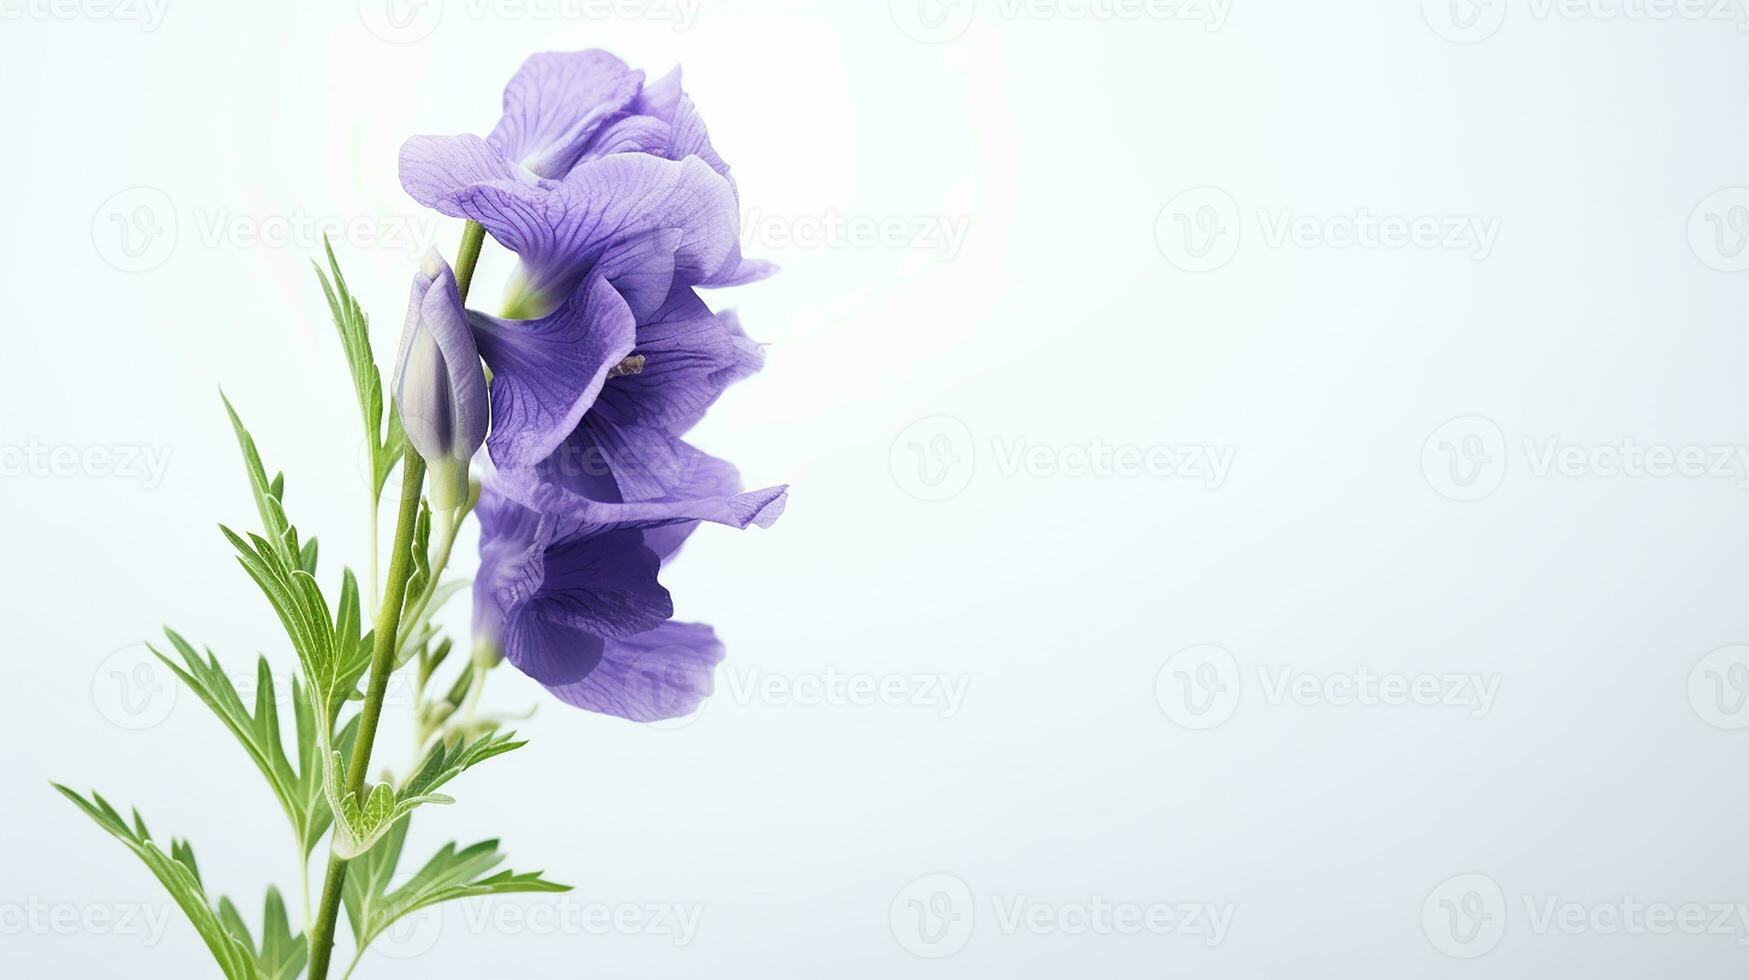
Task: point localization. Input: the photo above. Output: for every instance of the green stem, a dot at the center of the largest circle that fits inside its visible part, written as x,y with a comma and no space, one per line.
473,236
376,506
385,643
382,663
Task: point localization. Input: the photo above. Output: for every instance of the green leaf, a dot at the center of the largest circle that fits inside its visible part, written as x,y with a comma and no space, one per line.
299,789
330,648
451,874
269,496
363,819
283,953
386,444
180,878
450,759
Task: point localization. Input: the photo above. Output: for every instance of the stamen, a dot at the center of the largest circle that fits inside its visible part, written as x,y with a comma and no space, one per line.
630,366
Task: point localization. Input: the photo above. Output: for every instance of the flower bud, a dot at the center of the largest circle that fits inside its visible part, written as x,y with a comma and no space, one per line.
439,385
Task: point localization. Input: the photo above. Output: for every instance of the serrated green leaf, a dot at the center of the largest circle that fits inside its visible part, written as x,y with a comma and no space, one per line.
180,879
452,874
282,954
268,495
298,789
353,327
363,820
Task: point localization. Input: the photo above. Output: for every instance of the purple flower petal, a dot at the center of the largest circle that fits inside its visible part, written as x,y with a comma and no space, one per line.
556,102
619,201
439,388
691,355
546,373
549,600
698,495
664,673
436,169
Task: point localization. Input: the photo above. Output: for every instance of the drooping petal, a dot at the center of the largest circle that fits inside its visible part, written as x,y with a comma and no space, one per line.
547,601
697,496
664,673
558,100
604,583
708,476
546,373
550,652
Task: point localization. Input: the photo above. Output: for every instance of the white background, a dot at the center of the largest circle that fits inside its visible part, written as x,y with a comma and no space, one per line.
1607,310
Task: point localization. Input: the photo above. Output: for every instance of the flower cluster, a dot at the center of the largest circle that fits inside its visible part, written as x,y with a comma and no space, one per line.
619,210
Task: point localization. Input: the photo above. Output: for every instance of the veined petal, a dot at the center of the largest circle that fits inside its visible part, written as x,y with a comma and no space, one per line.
691,355
698,495
634,134
546,373
561,233
549,602
707,476
558,100
664,673
604,583
436,169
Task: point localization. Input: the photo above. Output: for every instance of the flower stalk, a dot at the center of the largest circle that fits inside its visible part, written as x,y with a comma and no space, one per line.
385,645
382,663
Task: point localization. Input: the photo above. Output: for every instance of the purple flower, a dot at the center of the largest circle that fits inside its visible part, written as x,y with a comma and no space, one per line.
619,209
567,590
587,168
554,106
439,386
594,399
